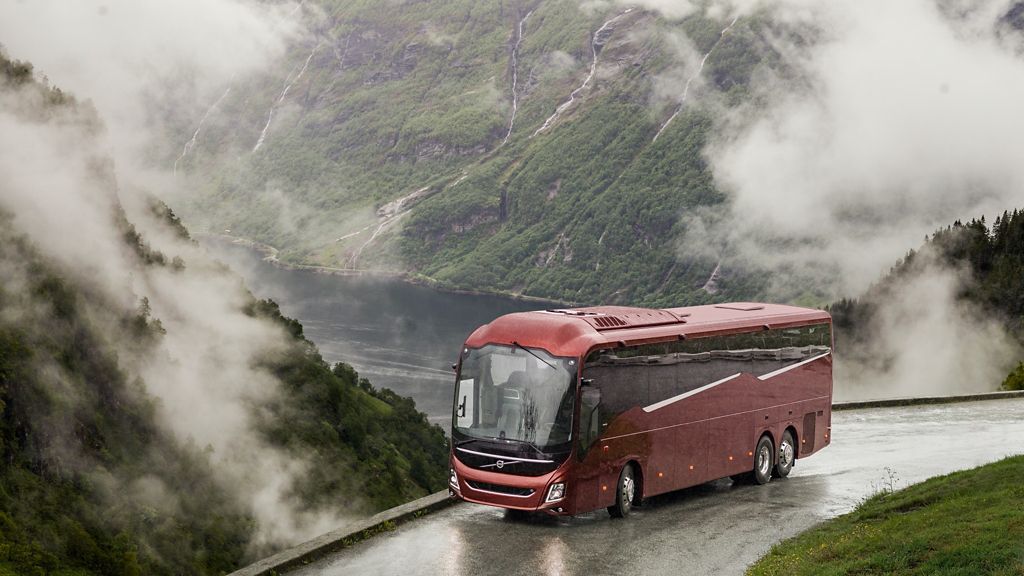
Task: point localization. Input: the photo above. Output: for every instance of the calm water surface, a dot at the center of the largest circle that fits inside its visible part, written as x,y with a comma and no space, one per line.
399,335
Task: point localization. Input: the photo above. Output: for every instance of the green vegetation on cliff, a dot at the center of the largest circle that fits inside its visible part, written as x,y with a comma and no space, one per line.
1015,379
390,151
361,442
90,483
989,262
95,480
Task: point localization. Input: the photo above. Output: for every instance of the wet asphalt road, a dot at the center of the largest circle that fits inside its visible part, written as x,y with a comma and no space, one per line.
716,528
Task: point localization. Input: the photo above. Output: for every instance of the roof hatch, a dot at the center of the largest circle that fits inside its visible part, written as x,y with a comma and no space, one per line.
621,317
741,306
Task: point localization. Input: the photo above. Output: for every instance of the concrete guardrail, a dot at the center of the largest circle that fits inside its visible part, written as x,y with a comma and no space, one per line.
346,536
889,402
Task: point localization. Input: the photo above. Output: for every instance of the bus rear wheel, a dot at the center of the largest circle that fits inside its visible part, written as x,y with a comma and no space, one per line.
787,454
625,493
763,460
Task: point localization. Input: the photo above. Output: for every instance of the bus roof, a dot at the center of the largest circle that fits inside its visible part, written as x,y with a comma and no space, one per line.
576,331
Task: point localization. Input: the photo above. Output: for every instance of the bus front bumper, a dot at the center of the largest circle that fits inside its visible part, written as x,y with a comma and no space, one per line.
547,493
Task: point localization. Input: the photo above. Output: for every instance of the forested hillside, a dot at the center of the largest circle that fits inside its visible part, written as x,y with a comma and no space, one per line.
102,472
988,262
540,148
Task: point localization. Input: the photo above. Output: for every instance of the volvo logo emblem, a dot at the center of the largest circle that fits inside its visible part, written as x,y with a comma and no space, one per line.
499,464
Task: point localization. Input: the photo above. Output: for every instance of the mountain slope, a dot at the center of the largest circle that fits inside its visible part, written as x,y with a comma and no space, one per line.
989,259
155,418
947,318
90,481
388,146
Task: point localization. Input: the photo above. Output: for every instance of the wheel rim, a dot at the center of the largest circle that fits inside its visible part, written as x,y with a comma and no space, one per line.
628,490
764,459
786,454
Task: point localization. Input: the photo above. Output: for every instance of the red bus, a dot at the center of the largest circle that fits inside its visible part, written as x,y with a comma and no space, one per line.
568,411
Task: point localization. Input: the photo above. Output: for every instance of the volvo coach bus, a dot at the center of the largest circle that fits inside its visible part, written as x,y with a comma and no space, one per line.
569,411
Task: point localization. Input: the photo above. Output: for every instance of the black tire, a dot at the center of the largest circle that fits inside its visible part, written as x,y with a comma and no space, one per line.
787,455
764,459
625,493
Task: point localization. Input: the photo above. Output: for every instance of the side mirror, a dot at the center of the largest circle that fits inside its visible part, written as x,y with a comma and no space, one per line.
455,366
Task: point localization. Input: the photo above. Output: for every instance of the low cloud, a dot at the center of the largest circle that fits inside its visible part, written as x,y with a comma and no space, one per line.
66,176
205,369
901,119
138,61
925,341
903,125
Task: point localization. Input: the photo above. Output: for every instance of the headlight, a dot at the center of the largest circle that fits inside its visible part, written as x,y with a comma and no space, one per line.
556,492
453,478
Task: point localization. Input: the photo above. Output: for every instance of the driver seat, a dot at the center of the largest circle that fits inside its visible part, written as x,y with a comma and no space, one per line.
511,419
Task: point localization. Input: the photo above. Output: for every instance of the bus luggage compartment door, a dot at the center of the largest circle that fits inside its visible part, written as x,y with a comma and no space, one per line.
807,439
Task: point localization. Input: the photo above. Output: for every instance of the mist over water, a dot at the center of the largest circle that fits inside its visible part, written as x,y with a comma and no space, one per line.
398,335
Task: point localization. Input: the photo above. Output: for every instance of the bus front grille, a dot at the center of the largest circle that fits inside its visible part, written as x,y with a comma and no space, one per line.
499,489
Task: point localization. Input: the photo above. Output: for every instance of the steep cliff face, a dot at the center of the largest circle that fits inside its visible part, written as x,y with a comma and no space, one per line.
154,417
533,147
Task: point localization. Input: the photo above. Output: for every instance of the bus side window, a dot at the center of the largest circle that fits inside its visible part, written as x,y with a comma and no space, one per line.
622,377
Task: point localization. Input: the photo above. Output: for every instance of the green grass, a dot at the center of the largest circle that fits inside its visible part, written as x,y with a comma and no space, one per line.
965,523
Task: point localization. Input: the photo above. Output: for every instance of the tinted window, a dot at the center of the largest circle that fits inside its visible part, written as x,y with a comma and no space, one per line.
645,375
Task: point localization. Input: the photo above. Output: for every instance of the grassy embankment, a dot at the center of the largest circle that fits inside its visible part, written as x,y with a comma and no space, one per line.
969,522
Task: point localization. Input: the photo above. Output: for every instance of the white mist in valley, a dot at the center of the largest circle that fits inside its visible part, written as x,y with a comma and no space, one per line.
891,120
64,192
906,118
141,62
926,342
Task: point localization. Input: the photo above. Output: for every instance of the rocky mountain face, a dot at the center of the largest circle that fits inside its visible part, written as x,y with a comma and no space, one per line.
543,148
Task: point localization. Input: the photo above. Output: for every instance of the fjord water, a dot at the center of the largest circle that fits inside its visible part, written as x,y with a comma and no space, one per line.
398,335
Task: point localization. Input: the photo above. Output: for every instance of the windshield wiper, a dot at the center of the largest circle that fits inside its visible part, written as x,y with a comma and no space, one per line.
478,438
532,445
534,354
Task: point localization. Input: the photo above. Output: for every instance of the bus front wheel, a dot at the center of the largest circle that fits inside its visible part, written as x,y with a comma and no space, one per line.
625,493
763,460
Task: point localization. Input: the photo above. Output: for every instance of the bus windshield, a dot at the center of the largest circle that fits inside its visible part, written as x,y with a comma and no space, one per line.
515,393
